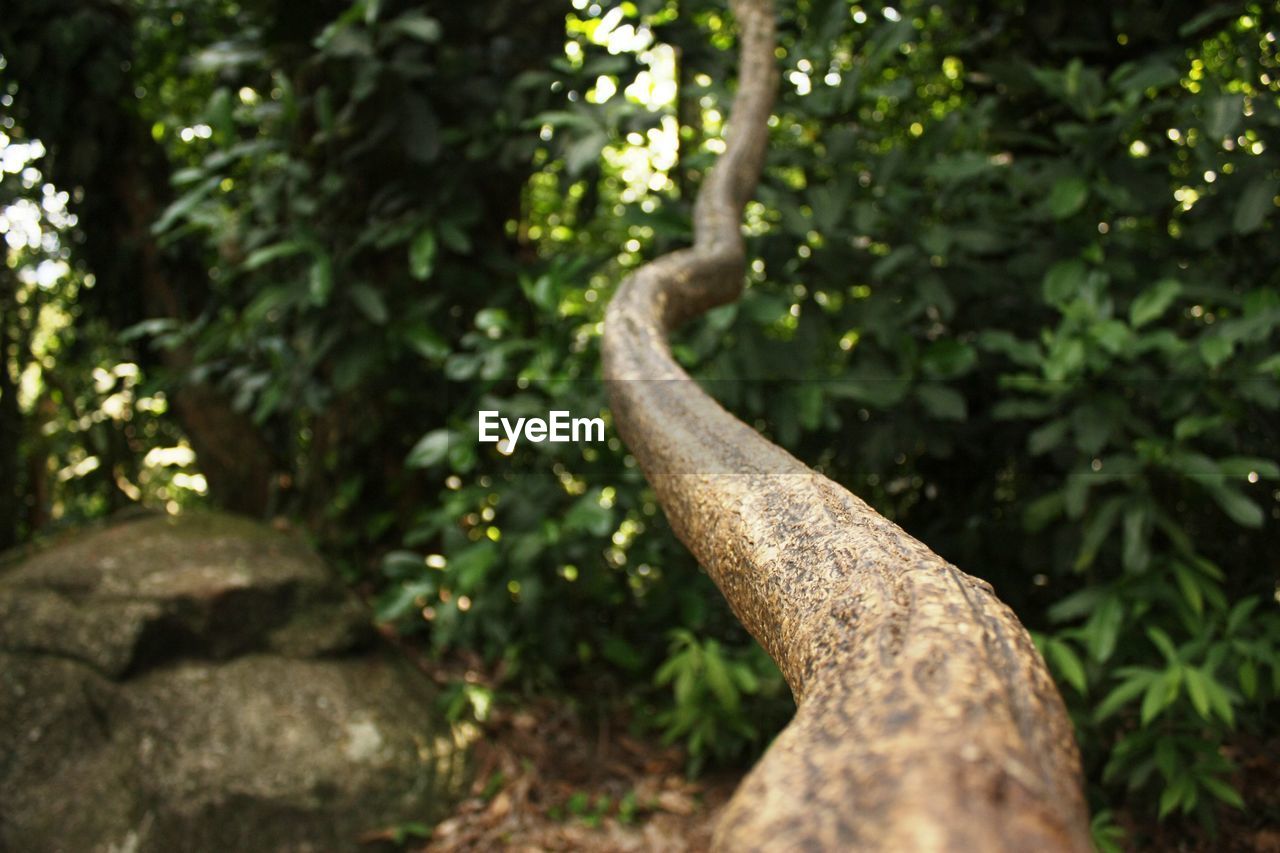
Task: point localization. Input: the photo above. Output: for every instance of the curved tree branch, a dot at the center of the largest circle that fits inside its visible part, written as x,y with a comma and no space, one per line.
926,719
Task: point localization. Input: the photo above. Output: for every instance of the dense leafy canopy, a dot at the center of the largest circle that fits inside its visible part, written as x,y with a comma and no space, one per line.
1015,283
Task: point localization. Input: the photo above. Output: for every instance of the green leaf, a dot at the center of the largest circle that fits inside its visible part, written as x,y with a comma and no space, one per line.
1221,701
462,456
830,203
399,600
1240,614
1189,585
1223,116
422,255
718,677
1112,335
1256,202
948,358
426,342
1167,759
430,449
1096,530
1215,349
669,670
584,152
1092,425
1047,437
184,204
492,320
1150,74
469,568
764,308
1211,15
190,175
1064,281
1197,690
345,42
370,303
1164,643
1194,425
980,241
1239,508
1067,197
261,257
418,26
1153,302
1270,364
1243,466
621,653
320,280
1222,791
402,564
1137,543
1102,630
746,678
880,392
959,167
1122,695
942,402
1160,694
1248,675
1068,665
1020,352
588,515
454,238
1170,799
1079,603
540,291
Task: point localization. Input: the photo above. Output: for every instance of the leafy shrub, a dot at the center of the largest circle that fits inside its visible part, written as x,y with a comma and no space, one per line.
1014,281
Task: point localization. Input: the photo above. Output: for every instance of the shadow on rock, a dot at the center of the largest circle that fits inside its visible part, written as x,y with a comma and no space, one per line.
205,683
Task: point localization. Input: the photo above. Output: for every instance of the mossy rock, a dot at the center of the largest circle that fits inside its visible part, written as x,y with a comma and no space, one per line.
204,683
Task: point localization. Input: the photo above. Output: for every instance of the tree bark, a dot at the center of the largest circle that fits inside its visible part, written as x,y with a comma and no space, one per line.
10,423
926,717
230,449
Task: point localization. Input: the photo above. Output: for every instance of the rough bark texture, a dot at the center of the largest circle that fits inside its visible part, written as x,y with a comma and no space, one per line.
927,719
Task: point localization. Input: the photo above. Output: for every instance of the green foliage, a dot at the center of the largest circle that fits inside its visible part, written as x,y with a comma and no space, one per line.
1061,326
709,684
1107,837
1014,282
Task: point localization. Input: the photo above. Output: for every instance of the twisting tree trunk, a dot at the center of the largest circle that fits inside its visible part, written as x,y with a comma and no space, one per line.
927,719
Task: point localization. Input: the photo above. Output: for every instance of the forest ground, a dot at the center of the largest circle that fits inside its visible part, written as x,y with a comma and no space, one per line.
546,778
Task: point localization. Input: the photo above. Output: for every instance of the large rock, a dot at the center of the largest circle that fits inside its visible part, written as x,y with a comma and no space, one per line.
203,683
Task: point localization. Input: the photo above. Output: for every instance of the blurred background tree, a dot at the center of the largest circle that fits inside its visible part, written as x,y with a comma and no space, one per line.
1016,282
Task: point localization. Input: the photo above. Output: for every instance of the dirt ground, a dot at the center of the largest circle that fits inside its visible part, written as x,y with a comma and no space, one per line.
544,783
545,780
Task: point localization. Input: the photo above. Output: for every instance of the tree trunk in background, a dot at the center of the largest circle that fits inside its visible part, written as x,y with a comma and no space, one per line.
230,449
927,719
70,62
10,424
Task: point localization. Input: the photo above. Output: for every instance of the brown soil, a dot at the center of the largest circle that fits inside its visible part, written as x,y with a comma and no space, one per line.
543,782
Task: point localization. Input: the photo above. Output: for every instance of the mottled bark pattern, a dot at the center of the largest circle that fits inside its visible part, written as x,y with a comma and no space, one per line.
927,719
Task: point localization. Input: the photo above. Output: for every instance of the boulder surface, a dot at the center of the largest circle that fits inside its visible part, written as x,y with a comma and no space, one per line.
205,683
